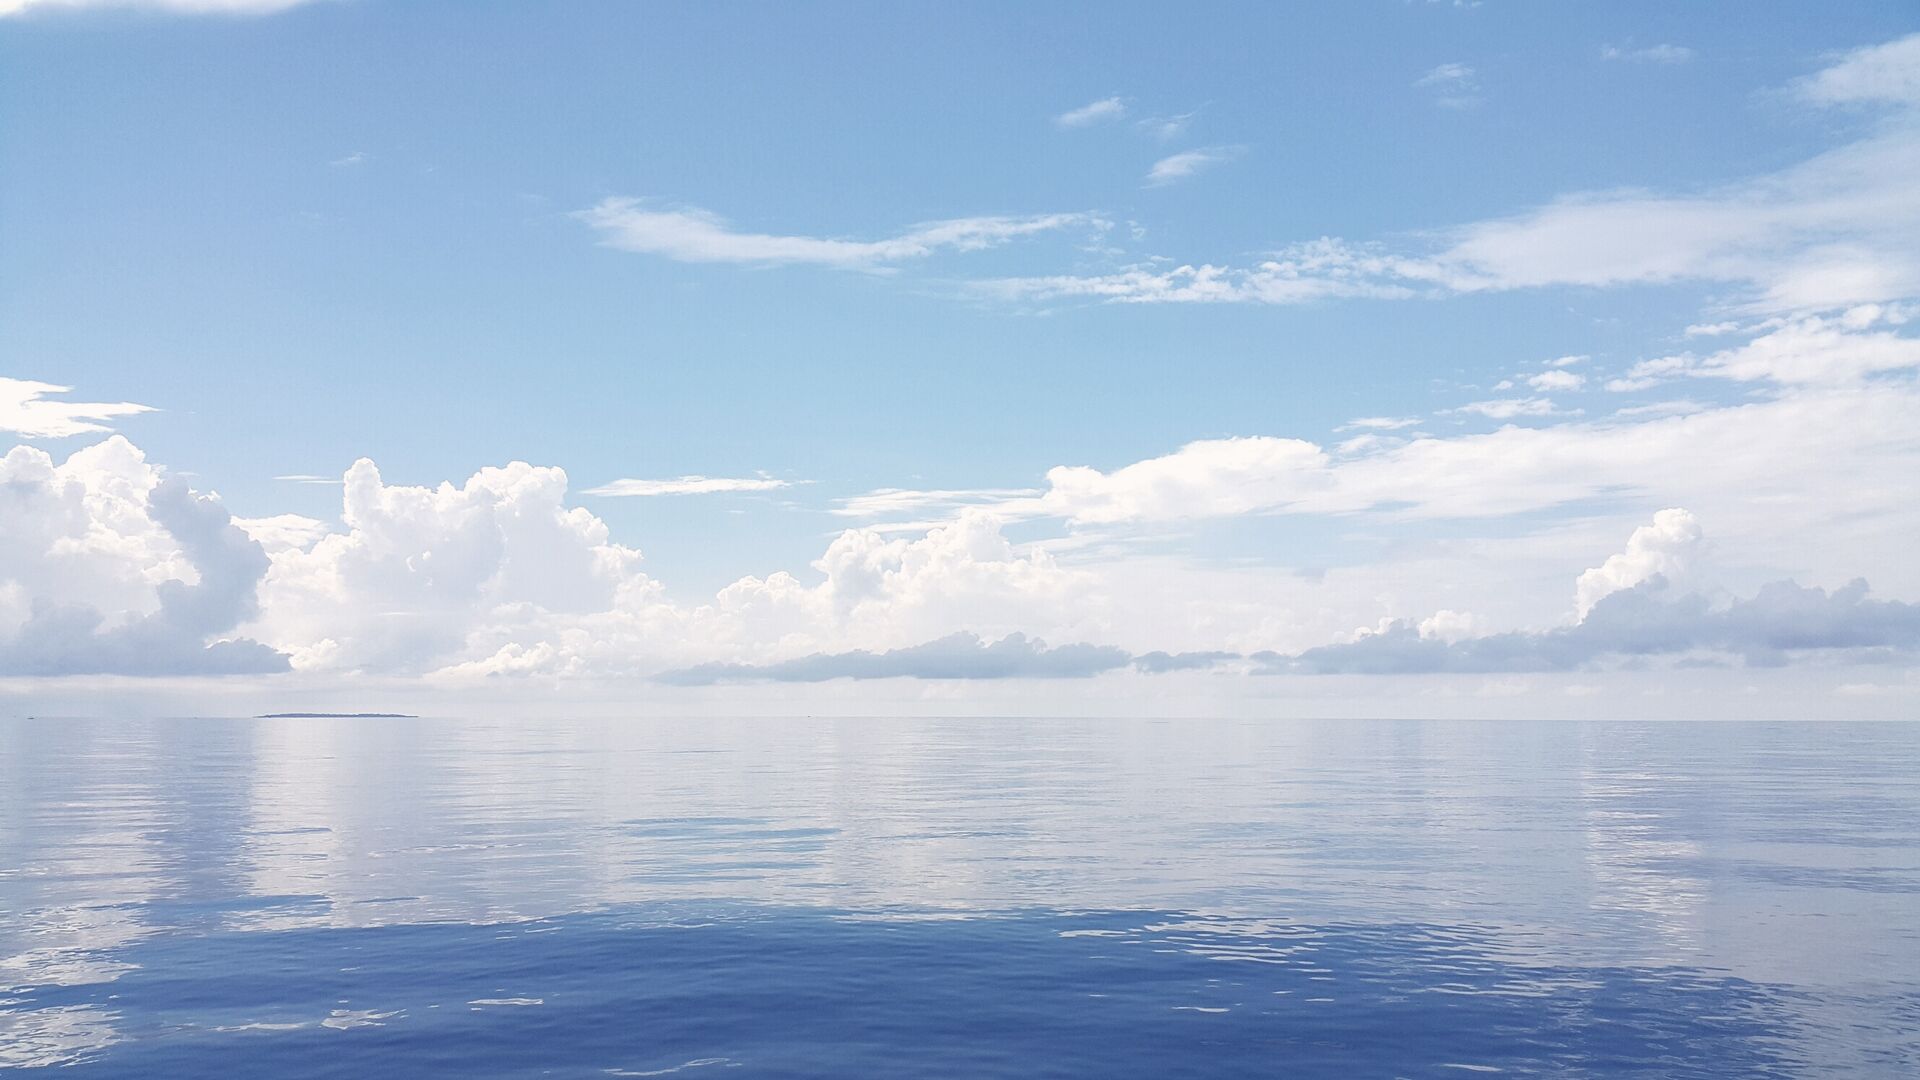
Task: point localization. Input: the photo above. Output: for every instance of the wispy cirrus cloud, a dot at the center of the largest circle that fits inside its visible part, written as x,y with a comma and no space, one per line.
1838,229
27,409
695,235
1650,54
1453,85
688,485
1166,128
1103,111
1888,73
1189,163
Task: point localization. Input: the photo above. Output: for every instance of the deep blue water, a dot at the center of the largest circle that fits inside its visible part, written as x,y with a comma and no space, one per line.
958,898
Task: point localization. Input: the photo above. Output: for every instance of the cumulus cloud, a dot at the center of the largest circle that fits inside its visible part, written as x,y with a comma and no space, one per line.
688,485
178,7
499,576
25,410
695,235
1093,112
419,576
957,656
109,567
1666,549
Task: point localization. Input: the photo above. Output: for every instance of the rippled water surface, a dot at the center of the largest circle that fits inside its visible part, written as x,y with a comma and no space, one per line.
958,898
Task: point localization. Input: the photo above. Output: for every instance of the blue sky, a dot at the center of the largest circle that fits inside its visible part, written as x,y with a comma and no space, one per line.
590,236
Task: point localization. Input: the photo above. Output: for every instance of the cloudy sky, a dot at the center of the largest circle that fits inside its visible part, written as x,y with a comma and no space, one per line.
1395,357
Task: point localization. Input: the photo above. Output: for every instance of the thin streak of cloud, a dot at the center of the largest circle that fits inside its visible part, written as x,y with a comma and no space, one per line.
25,410
1102,111
695,235
1189,163
688,485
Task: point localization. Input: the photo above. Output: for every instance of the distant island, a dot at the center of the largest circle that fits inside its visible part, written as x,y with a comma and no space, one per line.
336,716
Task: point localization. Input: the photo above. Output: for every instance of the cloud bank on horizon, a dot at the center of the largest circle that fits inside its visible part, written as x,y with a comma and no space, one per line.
1718,505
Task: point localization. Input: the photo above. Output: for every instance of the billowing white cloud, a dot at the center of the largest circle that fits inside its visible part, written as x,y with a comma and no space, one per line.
1093,112
1665,549
694,235
109,567
27,410
418,577
500,576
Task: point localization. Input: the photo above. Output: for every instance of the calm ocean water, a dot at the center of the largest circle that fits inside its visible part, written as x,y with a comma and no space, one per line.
958,898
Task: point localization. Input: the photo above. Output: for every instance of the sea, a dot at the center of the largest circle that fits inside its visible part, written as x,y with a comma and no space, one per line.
723,899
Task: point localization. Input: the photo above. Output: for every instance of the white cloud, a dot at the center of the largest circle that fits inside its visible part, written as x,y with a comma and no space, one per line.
1166,128
1446,75
1379,423
694,235
1888,73
109,567
1188,163
1316,270
688,485
1818,447
957,656
1667,549
284,532
892,502
26,411
1455,85
1509,408
1782,622
1557,379
1655,54
1093,112
500,576
1846,348
418,577
1208,478
179,7
1840,228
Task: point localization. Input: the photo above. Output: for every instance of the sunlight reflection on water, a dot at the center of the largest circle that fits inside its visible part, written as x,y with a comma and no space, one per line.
1619,898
